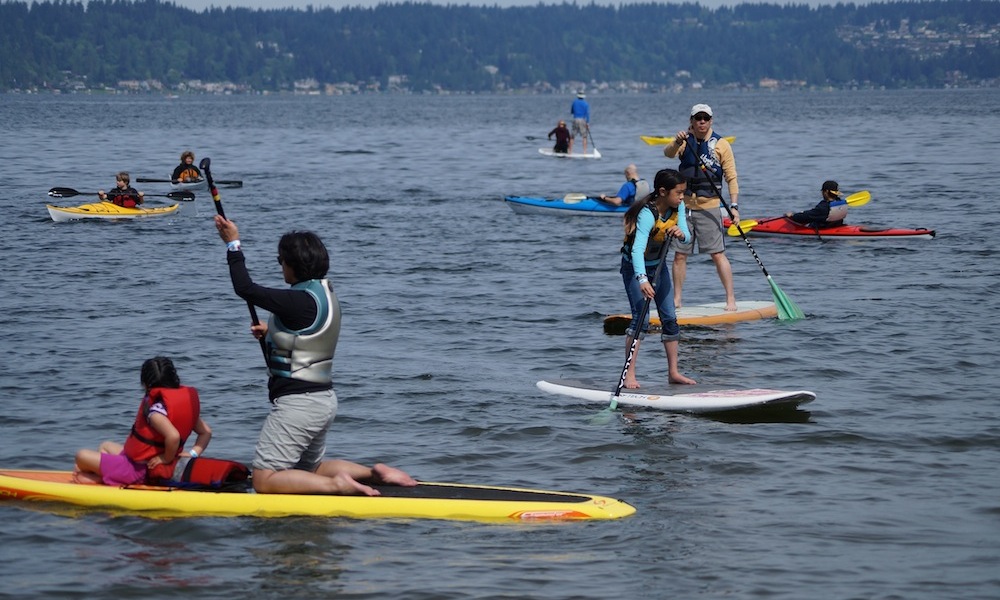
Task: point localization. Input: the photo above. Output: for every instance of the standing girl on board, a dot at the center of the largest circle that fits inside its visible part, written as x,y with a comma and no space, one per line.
649,224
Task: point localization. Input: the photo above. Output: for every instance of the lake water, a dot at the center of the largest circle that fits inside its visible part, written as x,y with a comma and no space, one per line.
886,487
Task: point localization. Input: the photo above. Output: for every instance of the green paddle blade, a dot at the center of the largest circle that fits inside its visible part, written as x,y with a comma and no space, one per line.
787,310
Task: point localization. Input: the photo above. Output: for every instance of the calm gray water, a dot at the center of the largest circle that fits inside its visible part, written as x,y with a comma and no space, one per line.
454,307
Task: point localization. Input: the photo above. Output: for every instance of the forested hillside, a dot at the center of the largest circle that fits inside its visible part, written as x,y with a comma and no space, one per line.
153,45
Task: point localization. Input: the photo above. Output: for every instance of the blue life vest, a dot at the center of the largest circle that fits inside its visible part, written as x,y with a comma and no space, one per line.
690,167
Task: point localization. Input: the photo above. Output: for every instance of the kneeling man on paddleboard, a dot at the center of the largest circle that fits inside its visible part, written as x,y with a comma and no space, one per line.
299,342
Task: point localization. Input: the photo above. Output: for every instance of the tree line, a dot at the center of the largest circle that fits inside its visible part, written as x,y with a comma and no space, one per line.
419,47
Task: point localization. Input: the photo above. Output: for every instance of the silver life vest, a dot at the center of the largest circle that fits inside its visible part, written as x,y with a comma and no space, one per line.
307,354
838,211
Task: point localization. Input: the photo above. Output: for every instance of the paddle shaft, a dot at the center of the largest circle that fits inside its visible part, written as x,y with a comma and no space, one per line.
62,192
787,310
235,182
206,168
642,319
729,211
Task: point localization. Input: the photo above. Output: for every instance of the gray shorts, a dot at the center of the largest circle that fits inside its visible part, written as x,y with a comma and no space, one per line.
294,434
706,229
580,127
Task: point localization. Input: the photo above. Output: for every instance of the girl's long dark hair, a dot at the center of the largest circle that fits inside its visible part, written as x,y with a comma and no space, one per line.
667,179
159,372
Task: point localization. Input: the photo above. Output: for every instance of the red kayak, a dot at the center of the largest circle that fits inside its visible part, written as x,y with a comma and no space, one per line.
782,226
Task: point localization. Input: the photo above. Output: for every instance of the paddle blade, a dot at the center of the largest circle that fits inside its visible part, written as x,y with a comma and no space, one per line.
654,140
181,196
787,310
746,225
64,192
859,198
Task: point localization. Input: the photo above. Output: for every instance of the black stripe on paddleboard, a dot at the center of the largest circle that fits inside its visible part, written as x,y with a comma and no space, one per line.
453,492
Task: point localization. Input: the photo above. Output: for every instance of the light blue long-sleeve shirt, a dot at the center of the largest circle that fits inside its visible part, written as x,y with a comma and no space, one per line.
643,226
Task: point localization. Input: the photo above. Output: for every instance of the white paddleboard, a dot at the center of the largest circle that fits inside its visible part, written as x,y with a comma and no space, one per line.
549,152
698,398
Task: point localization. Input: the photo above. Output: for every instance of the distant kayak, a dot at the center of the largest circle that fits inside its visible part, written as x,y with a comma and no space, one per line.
569,205
595,153
782,226
106,210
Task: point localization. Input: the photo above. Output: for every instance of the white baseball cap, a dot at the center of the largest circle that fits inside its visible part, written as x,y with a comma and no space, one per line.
701,108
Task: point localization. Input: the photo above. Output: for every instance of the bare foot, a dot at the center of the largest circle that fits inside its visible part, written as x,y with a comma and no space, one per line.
680,378
731,306
393,476
347,486
677,303
631,383
86,478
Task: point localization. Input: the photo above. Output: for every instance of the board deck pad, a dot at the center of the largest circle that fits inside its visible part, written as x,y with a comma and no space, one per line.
699,398
713,313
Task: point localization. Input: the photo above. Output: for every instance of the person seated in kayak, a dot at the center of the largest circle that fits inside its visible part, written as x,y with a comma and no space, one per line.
830,211
562,138
168,414
299,342
122,194
186,172
633,189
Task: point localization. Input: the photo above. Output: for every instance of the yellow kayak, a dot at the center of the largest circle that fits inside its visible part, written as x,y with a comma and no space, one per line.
106,210
424,501
654,140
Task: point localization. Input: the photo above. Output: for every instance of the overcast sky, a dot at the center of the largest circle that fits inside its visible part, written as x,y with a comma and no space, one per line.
203,4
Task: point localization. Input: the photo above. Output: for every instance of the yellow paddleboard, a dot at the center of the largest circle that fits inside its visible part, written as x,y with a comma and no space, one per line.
714,313
424,501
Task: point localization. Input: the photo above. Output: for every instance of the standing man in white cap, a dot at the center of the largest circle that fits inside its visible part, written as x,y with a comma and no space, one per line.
706,160
581,119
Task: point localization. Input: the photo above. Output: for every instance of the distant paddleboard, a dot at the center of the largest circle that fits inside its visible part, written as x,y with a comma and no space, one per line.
713,313
680,398
549,152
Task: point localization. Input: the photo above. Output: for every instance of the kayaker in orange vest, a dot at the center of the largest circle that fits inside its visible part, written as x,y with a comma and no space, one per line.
168,414
186,172
122,194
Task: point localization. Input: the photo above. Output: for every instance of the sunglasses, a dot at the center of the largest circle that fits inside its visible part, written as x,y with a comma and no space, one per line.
281,261
702,117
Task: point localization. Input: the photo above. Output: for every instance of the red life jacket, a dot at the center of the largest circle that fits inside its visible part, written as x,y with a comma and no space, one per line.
144,442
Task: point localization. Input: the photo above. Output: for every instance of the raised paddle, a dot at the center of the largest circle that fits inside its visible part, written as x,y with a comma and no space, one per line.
787,310
229,182
206,168
856,199
64,192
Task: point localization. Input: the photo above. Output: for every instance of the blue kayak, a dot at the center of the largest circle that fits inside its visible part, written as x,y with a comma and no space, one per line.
569,205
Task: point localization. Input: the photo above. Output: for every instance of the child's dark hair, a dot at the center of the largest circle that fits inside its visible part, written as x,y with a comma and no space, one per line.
667,179
159,372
